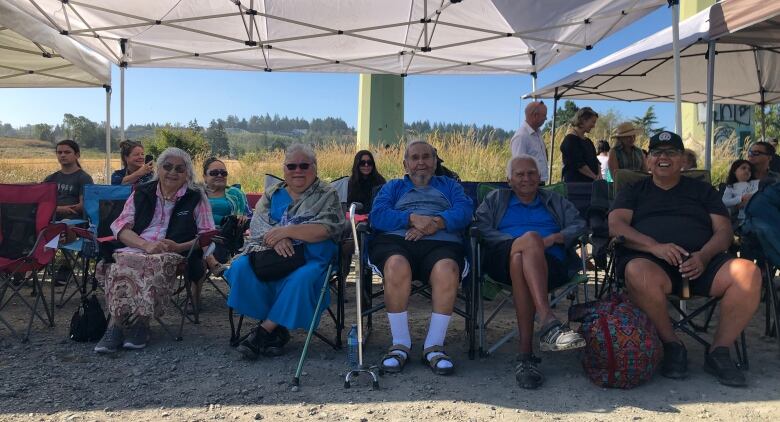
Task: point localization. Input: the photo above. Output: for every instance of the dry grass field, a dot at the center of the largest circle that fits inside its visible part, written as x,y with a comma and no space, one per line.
26,161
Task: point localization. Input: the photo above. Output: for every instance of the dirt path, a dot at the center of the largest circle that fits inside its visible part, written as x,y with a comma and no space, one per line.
202,378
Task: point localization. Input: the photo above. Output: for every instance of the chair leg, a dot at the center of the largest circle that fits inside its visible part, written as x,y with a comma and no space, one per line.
310,332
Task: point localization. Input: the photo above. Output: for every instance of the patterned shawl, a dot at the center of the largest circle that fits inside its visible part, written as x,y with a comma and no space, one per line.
319,204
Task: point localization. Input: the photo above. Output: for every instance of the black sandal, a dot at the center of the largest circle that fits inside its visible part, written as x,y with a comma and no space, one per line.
433,363
527,373
400,358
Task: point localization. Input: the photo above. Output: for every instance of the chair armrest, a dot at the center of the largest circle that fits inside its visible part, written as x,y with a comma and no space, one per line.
363,228
83,233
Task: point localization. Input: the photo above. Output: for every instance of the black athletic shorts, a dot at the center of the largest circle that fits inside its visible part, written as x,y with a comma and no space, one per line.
422,254
496,264
699,287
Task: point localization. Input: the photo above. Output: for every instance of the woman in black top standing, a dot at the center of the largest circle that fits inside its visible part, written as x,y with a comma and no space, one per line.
579,155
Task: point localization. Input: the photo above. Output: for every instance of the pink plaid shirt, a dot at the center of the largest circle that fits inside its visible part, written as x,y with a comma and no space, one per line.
158,227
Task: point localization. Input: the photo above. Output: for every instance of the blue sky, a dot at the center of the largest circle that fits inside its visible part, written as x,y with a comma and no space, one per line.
175,95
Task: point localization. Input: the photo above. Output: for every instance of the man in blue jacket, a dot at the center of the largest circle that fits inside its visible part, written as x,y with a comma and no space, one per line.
419,221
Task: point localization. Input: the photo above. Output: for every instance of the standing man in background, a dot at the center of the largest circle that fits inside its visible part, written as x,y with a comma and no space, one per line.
528,138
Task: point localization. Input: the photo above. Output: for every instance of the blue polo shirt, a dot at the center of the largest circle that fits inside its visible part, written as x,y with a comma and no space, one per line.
520,219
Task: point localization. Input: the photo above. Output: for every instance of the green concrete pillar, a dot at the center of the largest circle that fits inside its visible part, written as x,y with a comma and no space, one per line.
380,110
729,120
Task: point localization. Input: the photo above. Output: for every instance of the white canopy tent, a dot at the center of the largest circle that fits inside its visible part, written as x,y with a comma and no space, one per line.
399,37
35,56
733,47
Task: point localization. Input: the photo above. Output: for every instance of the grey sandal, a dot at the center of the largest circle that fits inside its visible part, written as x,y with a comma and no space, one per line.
433,363
400,358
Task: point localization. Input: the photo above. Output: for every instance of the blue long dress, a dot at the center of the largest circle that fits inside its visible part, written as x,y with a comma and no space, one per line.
291,301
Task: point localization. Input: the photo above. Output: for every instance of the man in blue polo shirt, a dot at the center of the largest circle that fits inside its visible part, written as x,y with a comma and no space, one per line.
527,233
419,221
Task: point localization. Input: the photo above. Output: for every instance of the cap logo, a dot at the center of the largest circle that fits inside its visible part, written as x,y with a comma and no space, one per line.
665,136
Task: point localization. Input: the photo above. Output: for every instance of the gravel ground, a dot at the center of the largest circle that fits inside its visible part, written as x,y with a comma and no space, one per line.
203,378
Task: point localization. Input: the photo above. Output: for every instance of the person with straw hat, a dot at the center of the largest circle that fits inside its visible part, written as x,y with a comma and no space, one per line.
626,155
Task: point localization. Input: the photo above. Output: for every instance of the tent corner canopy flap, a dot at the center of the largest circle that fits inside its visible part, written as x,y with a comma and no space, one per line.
400,37
747,41
34,55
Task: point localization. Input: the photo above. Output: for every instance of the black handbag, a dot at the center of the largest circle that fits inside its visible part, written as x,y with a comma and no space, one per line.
88,322
270,266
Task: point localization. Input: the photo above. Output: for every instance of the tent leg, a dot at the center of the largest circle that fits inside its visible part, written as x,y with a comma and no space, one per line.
122,104
552,138
108,135
675,6
708,108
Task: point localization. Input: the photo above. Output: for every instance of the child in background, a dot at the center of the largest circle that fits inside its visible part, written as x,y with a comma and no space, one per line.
740,187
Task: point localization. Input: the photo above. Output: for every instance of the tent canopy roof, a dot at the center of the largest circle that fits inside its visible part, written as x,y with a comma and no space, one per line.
747,61
368,36
33,55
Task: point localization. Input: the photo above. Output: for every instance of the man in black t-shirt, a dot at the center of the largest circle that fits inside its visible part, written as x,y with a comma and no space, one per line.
70,180
677,227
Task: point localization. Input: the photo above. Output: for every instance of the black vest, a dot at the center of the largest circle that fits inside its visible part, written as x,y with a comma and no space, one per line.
181,227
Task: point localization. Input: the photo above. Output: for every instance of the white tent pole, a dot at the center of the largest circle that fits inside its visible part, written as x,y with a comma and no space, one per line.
122,104
708,108
533,85
552,137
675,5
108,134
763,116
122,66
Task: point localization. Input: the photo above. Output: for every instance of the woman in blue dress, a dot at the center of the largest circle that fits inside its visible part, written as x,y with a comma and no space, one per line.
299,210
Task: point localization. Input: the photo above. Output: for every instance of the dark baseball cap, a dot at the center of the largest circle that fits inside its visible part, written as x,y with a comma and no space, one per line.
666,139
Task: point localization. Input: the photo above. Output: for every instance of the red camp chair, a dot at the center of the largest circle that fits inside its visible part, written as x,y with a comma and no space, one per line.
26,212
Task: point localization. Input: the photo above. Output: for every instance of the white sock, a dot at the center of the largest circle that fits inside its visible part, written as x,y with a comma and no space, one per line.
399,328
437,331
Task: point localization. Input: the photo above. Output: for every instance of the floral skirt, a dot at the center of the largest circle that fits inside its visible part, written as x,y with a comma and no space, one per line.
138,284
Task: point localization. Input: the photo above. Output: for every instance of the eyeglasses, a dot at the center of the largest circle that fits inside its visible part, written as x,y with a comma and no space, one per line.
671,153
296,166
366,163
180,168
754,153
218,172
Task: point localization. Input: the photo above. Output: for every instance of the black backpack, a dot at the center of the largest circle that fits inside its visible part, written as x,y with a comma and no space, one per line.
88,322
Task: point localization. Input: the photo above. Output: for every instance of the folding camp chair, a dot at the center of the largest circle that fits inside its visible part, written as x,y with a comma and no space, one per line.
26,237
102,205
493,289
466,295
335,281
760,229
686,321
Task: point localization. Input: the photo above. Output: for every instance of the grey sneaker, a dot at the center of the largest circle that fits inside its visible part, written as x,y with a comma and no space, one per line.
557,337
111,341
137,336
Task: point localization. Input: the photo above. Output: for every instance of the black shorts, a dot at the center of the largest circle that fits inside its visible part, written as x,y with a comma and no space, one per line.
496,264
699,287
422,254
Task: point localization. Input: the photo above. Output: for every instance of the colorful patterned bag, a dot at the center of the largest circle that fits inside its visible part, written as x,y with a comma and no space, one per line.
623,349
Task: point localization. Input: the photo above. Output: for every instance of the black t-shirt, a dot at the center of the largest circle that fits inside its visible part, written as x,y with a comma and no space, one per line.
680,215
69,186
577,152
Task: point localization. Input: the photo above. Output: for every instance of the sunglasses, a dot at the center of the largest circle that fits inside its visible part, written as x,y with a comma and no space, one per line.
366,163
217,172
671,153
181,168
296,166
754,153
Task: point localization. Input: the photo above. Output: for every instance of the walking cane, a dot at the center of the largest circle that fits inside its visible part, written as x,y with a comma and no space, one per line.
361,368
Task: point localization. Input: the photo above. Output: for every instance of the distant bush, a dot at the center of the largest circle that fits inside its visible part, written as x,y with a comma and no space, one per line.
187,139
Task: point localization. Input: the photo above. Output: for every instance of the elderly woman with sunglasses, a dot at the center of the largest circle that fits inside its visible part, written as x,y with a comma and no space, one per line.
301,210
156,230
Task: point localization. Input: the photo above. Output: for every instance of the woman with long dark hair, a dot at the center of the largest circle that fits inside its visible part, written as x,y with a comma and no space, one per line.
364,180
135,169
